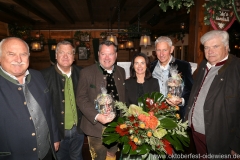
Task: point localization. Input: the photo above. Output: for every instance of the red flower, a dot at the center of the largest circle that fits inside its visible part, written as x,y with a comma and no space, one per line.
120,131
167,147
132,118
163,106
133,145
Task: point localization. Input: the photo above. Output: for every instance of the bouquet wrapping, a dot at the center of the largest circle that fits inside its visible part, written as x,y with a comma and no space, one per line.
174,84
105,104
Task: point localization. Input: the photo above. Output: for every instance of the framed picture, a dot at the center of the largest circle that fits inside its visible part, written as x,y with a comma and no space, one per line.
85,38
82,53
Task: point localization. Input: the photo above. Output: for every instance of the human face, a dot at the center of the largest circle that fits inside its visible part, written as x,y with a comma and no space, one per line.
65,57
163,52
107,56
15,58
215,51
140,65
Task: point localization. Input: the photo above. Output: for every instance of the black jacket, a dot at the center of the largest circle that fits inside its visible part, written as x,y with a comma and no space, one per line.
150,85
56,81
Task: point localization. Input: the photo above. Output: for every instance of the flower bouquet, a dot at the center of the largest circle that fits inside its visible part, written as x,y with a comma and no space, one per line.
152,126
174,84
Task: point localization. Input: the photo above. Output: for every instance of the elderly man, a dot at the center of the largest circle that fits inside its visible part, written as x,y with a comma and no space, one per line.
91,80
27,126
213,109
160,70
62,82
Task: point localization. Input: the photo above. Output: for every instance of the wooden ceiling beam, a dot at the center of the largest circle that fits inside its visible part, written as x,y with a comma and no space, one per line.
11,12
90,11
144,10
62,10
115,14
34,10
178,19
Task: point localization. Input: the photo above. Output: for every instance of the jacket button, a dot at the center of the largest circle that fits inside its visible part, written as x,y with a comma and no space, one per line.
62,123
25,103
63,101
62,90
19,88
30,118
63,79
62,112
34,149
33,134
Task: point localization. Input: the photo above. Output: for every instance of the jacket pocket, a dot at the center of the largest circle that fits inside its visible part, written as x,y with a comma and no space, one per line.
5,153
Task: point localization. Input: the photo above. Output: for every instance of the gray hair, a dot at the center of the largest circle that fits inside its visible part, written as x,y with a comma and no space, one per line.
64,43
216,34
108,43
9,38
163,39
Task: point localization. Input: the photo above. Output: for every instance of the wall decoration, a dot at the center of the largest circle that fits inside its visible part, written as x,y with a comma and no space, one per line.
224,20
82,53
236,8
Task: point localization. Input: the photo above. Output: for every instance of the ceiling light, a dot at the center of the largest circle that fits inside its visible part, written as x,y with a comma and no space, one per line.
145,41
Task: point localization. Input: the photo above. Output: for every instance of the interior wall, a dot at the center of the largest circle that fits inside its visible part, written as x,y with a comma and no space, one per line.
41,59
3,30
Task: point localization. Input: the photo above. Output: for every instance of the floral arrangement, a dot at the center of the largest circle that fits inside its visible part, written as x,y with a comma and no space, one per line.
152,126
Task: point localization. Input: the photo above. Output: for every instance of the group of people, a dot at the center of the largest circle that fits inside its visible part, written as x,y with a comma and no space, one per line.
45,115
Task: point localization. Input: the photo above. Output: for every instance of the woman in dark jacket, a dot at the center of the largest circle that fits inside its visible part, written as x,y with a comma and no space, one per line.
141,80
139,83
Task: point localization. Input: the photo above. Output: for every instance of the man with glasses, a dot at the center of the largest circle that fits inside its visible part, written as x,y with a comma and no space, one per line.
160,70
62,81
92,78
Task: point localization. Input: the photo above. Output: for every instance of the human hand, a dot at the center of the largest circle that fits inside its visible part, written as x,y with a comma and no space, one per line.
56,146
174,100
105,118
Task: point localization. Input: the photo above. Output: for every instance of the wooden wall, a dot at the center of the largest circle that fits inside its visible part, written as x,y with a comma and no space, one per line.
3,30
41,60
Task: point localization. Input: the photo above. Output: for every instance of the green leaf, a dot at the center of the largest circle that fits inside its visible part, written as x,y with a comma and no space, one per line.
178,145
109,129
111,138
113,124
152,95
124,140
140,102
184,140
132,152
144,149
121,120
168,123
126,148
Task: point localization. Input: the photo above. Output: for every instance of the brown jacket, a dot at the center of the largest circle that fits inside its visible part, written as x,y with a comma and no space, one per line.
89,85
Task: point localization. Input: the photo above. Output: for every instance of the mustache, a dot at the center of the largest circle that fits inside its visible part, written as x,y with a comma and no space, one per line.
17,63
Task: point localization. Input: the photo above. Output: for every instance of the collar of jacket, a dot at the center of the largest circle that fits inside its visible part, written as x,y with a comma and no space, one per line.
59,72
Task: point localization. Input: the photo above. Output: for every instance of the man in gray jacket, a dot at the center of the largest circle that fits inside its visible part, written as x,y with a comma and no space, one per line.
213,108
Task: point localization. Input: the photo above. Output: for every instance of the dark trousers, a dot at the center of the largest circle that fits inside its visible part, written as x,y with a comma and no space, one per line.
200,143
71,145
